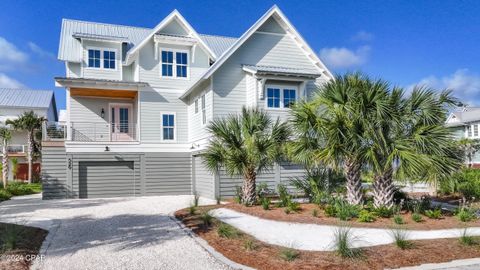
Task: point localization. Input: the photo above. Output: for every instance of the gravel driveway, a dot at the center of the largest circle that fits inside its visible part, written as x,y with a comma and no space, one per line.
119,233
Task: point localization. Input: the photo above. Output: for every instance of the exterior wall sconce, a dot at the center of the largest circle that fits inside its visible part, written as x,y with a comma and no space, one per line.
107,149
102,113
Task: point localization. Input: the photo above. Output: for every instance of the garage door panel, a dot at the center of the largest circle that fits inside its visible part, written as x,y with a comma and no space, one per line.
106,179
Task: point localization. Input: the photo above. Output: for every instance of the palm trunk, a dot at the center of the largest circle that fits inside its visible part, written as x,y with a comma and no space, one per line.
383,189
354,183
5,164
249,187
29,156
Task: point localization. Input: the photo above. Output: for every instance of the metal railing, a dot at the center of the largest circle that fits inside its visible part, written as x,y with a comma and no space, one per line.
103,132
54,131
16,148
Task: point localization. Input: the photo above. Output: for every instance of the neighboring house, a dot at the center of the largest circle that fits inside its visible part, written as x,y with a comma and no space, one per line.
466,124
139,101
13,103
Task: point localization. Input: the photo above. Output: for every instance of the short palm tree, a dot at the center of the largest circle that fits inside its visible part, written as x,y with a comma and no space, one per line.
5,137
29,122
410,141
245,145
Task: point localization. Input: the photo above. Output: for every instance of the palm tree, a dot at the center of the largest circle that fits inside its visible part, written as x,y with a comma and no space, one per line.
469,148
337,119
410,141
29,122
245,145
5,137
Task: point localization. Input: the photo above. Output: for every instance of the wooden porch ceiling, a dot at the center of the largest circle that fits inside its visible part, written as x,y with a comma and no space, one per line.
90,92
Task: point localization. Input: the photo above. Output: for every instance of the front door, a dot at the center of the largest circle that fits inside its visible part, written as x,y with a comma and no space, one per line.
120,121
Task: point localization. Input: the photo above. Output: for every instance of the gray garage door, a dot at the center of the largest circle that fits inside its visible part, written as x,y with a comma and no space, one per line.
106,179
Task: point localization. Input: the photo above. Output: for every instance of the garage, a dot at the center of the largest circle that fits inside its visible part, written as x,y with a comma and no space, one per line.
106,179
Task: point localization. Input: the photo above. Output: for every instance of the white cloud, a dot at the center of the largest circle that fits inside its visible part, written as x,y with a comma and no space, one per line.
10,53
39,51
464,84
362,36
7,82
345,58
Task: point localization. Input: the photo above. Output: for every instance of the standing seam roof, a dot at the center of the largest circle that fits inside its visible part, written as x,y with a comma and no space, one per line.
25,98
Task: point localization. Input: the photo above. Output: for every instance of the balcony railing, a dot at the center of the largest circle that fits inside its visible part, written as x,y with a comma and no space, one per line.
53,131
16,148
103,132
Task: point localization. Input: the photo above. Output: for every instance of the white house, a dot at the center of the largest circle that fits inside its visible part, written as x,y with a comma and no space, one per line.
139,100
13,103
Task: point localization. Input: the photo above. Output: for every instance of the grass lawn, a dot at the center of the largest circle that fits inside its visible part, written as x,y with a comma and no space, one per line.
18,189
19,245
247,250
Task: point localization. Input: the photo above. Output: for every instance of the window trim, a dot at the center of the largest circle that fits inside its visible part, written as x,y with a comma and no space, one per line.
196,105
102,49
203,108
174,64
174,127
282,88
469,129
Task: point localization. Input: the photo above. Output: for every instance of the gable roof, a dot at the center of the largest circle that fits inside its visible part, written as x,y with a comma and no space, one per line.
460,118
70,47
25,98
290,29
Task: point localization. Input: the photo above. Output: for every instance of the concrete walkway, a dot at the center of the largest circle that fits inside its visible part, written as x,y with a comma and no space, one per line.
120,233
319,237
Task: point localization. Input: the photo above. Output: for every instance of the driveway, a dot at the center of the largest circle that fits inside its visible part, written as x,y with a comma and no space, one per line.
119,233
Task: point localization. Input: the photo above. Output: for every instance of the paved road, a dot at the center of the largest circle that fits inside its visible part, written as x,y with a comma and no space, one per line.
120,233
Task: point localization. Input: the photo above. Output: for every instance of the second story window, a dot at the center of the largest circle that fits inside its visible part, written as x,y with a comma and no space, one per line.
289,97
273,98
181,64
109,59
204,111
280,97
168,127
167,64
196,105
94,58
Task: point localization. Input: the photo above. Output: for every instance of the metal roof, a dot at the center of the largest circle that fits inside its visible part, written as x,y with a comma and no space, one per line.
25,98
70,47
469,114
99,37
281,70
99,81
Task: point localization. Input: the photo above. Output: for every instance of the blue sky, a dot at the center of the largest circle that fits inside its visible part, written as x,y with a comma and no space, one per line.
404,42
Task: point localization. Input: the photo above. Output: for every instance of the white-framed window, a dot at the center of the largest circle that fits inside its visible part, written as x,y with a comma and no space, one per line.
168,126
204,111
196,105
174,63
472,131
93,58
101,58
278,97
109,59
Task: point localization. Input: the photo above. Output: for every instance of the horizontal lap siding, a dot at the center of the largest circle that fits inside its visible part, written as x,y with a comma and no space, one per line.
54,173
168,174
204,180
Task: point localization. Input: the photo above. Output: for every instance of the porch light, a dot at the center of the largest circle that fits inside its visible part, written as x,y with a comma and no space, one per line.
102,113
107,149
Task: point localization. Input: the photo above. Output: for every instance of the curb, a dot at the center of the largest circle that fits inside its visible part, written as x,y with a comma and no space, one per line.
52,231
433,266
215,254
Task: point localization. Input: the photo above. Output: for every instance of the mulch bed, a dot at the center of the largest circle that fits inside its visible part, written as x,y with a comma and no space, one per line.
28,243
305,216
266,256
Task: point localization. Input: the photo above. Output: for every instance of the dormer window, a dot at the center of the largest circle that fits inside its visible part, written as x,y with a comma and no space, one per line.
101,58
174,64
94,58
109,59
278,96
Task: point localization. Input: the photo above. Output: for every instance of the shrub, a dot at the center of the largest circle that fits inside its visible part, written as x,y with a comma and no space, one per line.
4,195
330,210
293,206
416,217
425,204
226,231
263,191
192,209
343,243
400,239
434,214
19,188
315,212
318,183
207,219
265,202
249,245
289,254
466,182
398,219
287,210
466,214
466,239
345,211
283,196
366,216
384,212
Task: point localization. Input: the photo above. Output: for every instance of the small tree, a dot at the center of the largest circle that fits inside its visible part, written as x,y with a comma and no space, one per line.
30,122
469,148
245,145
5,137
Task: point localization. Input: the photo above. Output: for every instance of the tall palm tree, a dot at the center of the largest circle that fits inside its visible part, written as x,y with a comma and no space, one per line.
245,145
29,122
410,141
337,119
5,137
469,148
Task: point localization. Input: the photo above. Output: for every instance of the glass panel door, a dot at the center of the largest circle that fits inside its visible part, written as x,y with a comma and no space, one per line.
121,128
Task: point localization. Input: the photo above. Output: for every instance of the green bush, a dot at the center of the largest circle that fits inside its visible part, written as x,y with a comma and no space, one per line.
315,212
4,195
249,245
207,219
466,214
293,206
345,211
466,239
19,188
227,231
330,210
192,209
400,239
366,216
466,182
416,217
434,214
398,219
289,254
265,202
384,212
283,196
